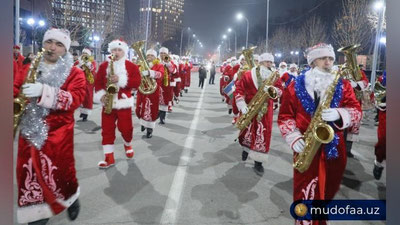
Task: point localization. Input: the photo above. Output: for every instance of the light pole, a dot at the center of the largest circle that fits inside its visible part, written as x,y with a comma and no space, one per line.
266,35
31,22
297,54
147,24
96,40
380,6
180,49
239,16
230,30
17,22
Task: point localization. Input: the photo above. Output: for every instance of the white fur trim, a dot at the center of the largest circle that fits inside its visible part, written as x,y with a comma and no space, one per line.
362,85
258,156
123,103
293,137
346,119
352,137
120,71
266,57
163,107
85,111
151,52
282,64
254,77
48,98
118,44
172,84
148,124
178,79
127,143
241,104
293,66
98,95
319,52
108,149
87,51
60,35
164,50
42,211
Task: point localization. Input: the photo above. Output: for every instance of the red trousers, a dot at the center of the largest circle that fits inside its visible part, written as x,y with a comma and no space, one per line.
177,89
121,118
380,147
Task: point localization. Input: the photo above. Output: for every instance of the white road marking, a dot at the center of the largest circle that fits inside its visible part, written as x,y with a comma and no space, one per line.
173,203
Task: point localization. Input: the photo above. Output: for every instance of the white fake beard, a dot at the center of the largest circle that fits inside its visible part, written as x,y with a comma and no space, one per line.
318,80
282,71
265,72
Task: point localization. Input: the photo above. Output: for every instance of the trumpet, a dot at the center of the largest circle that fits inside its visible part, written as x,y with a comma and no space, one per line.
21,101
86,69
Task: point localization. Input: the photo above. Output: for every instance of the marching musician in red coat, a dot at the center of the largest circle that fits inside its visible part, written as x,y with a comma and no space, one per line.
289,76
255,139
187,73
222,82
170,71
127,78
84,62
18,57
237,76
380,147
228,76
147,106
46,174
352,133
322,179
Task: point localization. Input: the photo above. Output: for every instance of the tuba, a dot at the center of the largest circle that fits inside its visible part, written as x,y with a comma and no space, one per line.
88,73
248,56
318,131
111,88
147,85
21,101
258,105
379,92
351,67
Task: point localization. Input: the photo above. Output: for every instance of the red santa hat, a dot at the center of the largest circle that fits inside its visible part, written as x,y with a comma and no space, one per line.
87,51
293,65
164,50
151,52
61,35
256,57
266,57
16,47
319,51
118,43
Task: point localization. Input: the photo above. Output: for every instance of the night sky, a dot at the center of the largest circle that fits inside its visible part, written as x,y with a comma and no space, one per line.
209,19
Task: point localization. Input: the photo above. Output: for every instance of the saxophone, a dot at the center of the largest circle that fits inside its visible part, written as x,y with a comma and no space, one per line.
88,73
248,56
111,88
318,131
351,67
147,85
259,103
21,101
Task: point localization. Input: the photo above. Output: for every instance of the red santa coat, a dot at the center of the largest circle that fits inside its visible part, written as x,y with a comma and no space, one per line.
187,73
257,135
229,77
223,78
18,79
166,94
87,104
147,105
41,197
19,60
322,180
287,78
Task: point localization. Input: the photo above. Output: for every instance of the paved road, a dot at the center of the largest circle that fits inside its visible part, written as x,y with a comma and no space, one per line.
191,172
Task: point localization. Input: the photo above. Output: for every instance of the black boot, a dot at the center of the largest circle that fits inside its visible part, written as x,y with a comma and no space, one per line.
149,132
186,90
258,168
377,172
230,111
84,117
142,128
162,117
244,155
181,94
73,210
80,116
39,222
349,145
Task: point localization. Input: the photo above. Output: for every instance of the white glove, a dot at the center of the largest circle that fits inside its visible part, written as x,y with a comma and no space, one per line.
145,73
32,90
244,110
330,115
299,145
242,106
383,104
353,84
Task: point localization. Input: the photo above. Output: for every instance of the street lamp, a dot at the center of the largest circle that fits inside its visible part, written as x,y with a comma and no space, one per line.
230,30
383,40
266,35
31,22
96,39
240,16
180,48
380,7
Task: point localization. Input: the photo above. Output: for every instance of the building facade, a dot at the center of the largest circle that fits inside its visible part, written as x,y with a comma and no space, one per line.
164,16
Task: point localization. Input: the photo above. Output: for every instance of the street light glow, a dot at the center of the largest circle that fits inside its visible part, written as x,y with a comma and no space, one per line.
383,40
229,30
194,35
224,36
378,5
297,52
239,16
96,38
41,23
31,21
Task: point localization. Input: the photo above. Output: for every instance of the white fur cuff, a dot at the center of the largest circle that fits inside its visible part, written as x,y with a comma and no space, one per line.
346,119
98,95
49,96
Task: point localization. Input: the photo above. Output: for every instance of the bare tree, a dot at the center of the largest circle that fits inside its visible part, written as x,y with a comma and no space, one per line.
132,34
373,18
352,26
312,32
